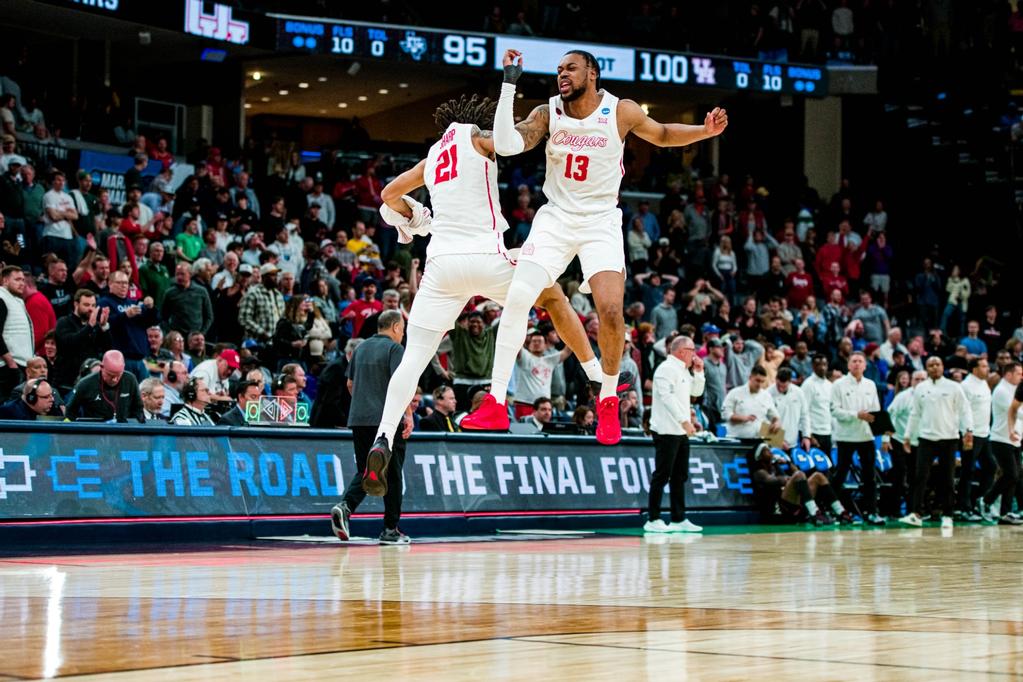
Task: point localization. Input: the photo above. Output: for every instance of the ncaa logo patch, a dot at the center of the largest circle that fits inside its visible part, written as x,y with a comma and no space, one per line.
527,250
605,111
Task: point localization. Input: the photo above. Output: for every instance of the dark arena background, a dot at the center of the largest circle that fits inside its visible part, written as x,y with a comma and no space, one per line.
196,276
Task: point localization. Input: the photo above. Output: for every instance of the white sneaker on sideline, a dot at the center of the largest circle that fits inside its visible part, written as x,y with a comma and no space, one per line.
912,519
656,526
684,526
946,521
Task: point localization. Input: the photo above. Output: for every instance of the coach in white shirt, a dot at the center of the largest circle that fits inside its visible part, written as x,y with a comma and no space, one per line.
941,413
1005,439
750,405
670,424
853,398
793,411
817,392
978,397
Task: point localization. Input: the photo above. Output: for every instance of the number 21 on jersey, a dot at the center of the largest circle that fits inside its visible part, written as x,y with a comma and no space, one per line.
576,167
447,165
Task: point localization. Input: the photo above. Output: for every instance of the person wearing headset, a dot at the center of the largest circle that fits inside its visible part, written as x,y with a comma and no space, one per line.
196,397
35,401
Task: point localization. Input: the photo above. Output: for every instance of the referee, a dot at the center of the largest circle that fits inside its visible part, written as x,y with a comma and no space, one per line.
369,372
671,427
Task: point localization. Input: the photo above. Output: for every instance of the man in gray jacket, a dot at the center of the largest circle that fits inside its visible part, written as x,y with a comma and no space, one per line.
741,358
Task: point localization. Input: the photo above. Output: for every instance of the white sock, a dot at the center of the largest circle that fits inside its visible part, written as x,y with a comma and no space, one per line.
530,279
811,507
592,369
837,507
422,344
608,385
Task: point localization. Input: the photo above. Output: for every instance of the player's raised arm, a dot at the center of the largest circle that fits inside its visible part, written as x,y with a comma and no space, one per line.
511,139
409,181
671,134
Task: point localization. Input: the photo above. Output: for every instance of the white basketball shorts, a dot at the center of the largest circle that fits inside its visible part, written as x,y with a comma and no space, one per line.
557,237
451,280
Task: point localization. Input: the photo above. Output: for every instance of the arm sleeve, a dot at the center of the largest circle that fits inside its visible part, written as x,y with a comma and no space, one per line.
207,312
804,423
507,140
965,413
698,385
728,409
838,409
664,390
914,418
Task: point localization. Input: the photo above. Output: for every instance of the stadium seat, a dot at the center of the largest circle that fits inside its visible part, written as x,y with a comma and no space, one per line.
803,460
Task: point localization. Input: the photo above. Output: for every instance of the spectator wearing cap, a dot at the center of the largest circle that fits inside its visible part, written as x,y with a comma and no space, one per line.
261,306
254,248
86,203
58,215
7,150
187,306
715,372
217,370
312,228
12,198
326,203
288,246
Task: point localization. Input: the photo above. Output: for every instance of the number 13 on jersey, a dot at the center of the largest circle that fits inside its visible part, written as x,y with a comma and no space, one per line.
576,167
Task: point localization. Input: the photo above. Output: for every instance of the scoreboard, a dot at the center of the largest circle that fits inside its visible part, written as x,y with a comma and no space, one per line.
461,49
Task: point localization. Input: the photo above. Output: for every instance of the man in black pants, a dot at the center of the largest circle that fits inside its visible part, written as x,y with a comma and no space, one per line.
369,372
978,396
853,399
1005,403
940,414
671,426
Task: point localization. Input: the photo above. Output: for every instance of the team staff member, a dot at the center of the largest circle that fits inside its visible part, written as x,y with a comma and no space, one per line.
372,365
1005,439
671,425
792,410
853,398
903,460
817,391
941,412
442,419
749,406
978,397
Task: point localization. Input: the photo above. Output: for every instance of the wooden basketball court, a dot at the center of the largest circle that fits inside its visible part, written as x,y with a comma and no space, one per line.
893,604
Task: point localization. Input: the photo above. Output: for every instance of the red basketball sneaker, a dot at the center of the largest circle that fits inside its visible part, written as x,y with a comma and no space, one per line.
491,416
609,427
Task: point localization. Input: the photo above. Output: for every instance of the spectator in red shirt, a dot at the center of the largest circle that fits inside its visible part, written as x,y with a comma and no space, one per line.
365,307
40,311
367,192
833,280
853,257
799,285
161,153
830,252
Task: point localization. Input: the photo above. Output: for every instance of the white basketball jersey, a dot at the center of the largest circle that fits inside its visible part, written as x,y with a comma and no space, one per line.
463,190
584,158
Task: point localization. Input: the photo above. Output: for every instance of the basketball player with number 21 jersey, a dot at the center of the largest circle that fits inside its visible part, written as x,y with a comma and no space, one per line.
585,127
466,257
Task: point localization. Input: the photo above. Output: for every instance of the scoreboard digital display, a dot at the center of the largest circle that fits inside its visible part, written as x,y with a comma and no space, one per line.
618,63
384,42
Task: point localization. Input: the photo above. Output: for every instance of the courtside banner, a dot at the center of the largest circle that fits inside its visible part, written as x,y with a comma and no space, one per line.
71,471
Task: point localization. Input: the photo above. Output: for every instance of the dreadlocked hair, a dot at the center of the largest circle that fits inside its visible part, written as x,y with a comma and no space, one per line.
473,110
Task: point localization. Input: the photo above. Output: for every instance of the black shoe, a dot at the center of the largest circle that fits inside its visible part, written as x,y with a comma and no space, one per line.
846,519
626,383
819,519
374,478
393,536
339,516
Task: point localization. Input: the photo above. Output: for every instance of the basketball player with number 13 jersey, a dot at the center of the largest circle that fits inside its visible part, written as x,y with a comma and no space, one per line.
585,127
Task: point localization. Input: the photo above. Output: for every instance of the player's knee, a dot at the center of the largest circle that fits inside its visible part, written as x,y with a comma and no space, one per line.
611,312
818,478
799,476
550,297
520,295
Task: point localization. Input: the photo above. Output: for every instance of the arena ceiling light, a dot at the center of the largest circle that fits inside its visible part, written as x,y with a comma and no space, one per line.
322,79
402,85
363,98
383,91
282,93
303,85
342,105
264,99
257,75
